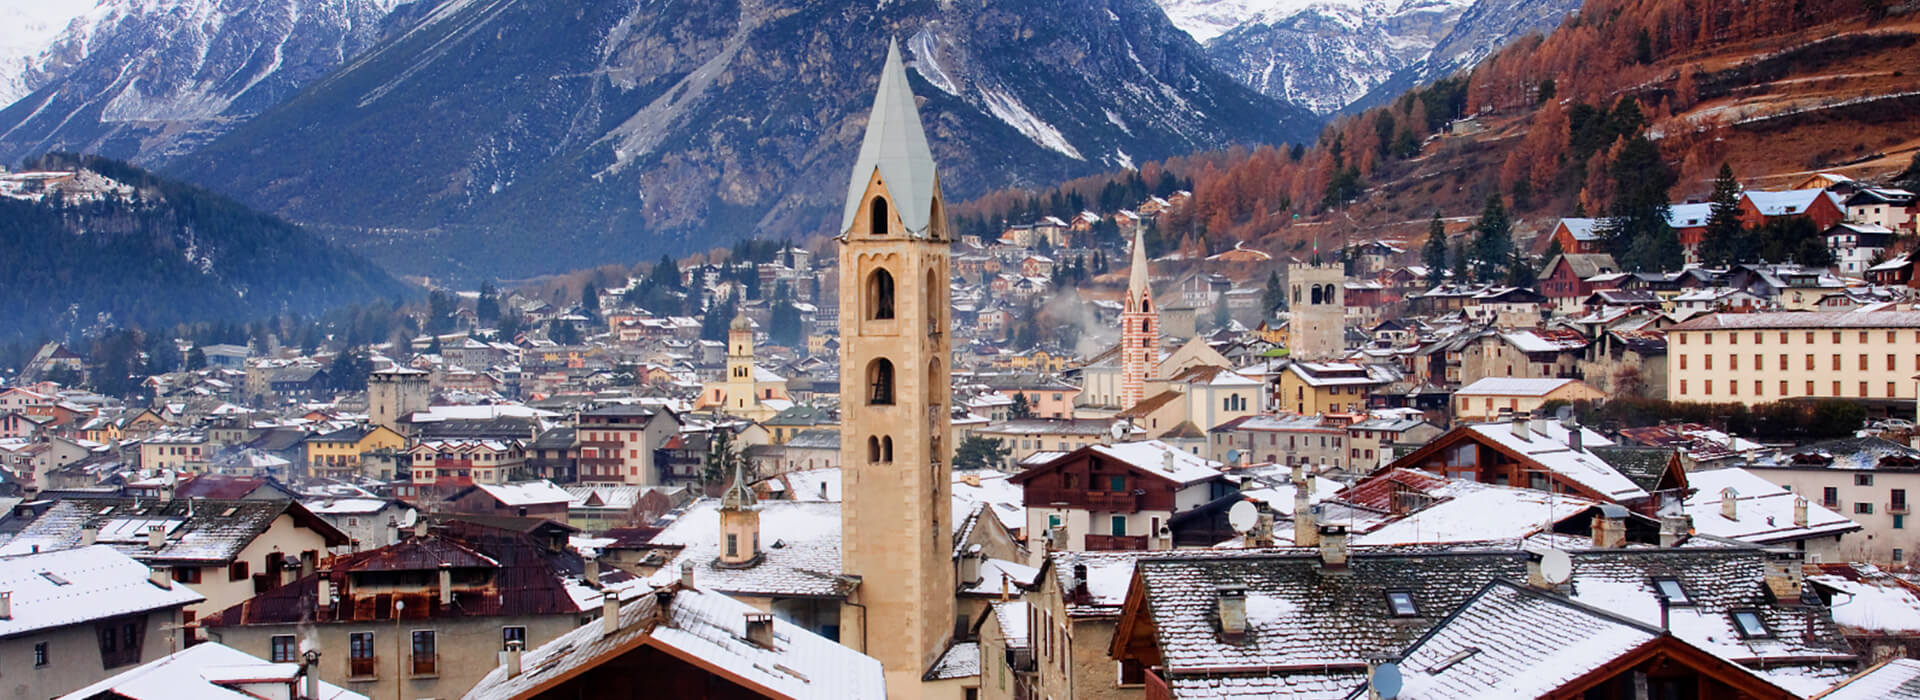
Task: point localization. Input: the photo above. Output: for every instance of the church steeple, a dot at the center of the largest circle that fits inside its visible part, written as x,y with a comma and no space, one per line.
896,531
1139,329
739,524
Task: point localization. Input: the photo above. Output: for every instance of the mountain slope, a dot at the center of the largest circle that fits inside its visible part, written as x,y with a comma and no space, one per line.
26,29
144,79
1475,35
1327,55
522,140
91,240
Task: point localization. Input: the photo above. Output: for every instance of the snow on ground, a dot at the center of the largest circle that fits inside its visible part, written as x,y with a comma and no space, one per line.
28,27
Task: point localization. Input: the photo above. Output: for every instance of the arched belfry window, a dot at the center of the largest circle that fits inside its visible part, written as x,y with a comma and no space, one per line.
880,382
934,304
886,449
873,449
880,295
878,224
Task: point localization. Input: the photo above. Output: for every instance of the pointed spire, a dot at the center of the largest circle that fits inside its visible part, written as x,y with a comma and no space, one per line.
1137,276
896,145
738,495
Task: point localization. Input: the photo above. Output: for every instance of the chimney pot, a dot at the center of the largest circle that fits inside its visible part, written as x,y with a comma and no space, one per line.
686,574
160,576
1799,512
1520,428
760,629
609,614
88,535
1729,507
1080,591
514,650
1333,546
592,575
156,537
310,674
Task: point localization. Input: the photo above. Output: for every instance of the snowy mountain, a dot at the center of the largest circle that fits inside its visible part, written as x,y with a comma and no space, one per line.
28,27
520,140
143,79
1330,54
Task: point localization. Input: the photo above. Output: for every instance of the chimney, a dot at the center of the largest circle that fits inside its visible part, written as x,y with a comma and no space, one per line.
1520,428
686,574
1263,532
1333,546
1232,601
1166,460
1306,523
88,534
1729,508
592,576
420,527
1785,579
1539,426
1080,592
760,629
323,594
160,576
1610,527
1674,528
446,585
1006,587
156,537
6,605
609,614
1575,436
310,675
1666,609
970,565
1799,512
512,661
393,530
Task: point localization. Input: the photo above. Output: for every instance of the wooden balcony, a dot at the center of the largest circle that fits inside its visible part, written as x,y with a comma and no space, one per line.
1116,543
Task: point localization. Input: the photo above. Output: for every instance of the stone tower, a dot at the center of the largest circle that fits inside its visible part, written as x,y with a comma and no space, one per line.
739,525
1139,330
394,393
897,510
1317,312
740,363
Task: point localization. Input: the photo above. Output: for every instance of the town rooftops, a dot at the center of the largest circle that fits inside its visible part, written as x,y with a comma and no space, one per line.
74,586
1546,443
208,671
201,531
1893,679
1801,319
1763,513
525,493
703,628
1842,453
1091,427
799,547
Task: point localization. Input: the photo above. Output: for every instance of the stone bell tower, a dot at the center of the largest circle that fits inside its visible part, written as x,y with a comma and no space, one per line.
1139,330
897,510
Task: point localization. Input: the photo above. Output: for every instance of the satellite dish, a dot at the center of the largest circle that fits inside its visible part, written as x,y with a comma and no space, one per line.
1556,567
1118,430
1243,516
1386,680
409,517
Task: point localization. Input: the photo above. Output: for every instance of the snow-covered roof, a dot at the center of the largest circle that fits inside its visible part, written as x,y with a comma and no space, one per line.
1160,458
1876,603
706,626
1513,386
347,506
74,586
1896,679
960,661
799,548
1469,511
208,670
1786,202
1546,443
526,493
1763,511
1511,628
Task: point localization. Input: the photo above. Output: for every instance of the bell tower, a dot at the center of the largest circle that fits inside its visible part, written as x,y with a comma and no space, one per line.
897,509
740,364
1139,330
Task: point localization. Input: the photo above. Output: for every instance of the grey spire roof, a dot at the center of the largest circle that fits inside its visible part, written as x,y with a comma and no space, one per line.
1137,276
897,146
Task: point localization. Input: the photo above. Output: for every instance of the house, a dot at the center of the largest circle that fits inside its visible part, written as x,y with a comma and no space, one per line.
1498,397
337,454
1866,356
76,616
617,443
1025,436
1537,353
1116,497
1737,504
525,499
1581,236
1314,388
1566,280
211,670
425,617
1283,439
1822,207
1856,246
1867,479
459,463
1884,207
1547,455
1874,609
210,545
680,640
368,522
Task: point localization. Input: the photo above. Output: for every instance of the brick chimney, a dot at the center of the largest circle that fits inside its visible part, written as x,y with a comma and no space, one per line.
1784,577
1610,527
1333,546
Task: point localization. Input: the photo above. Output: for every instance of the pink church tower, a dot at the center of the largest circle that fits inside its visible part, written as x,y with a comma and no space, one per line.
1139,330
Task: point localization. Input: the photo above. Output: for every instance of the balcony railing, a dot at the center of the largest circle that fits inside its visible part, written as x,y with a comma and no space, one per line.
361,667
1898,507
1117,501
1116,543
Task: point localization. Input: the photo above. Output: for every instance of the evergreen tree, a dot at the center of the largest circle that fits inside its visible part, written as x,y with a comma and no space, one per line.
590,300
1222,316
487,308
1493,241
975,452
1639,210
1021,407
1724,241
715,324
1461,274
1273,297
1434,255
196,359
440,308
783,324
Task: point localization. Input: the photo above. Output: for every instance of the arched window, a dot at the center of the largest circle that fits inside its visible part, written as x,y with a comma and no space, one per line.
880,295
880,379
878,224
935,306
1146,305
1296,294
1316,294
886,449
1145,326
873,449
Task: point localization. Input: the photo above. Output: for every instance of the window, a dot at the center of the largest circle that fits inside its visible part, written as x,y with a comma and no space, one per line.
1749,624
1809,362
878,223
509,635
733,545
880,295
1117,483
1899,521
880,378
1669,588
1863,480
1053,520
237,571
1119,526
1400,603
360,654
1863,362
1836,362
1863,508
1830,497
424,661
1709,361
186,574
283,649
1899,554
40,654
1132,673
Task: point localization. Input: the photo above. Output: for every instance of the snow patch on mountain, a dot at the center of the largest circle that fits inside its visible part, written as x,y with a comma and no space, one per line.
1008,109
1207,19
28,27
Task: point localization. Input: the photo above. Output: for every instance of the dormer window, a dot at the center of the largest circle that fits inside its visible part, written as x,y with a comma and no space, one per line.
1401,604
1749,624
1669,588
